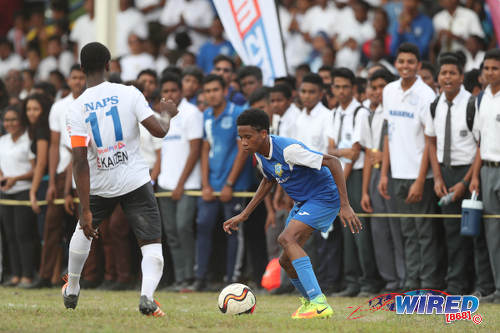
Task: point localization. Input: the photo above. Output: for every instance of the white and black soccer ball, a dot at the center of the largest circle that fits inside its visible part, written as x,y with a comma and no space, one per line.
236,299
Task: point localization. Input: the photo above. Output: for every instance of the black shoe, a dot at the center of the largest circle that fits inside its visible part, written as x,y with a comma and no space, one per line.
490,298
349,292
70,301
117,286
86,284
39,284
282,290
150,308
106,285
199,285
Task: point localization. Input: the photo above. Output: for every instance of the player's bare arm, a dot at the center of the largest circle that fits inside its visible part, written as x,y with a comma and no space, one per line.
82,180
265,187
158,127
346,214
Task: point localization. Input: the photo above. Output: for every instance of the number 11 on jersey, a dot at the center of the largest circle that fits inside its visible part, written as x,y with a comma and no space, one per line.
92,118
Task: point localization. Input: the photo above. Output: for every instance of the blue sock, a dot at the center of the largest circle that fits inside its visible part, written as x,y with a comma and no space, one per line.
307,277
299,287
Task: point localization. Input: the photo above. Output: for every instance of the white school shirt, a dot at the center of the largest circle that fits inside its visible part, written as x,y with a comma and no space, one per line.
57,123
63,64
463,23
317,19
405,112
286,122
350,134
312,129
13,61
376,126
15,160
196,13
133,64
487,125
129,21
186,126
149,145
83,32
108,115
463,146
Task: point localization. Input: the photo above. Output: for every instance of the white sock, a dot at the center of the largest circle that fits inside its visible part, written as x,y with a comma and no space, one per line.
79,249
152,268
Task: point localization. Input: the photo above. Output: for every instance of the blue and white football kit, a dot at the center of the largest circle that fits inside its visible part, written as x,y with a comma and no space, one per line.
299,172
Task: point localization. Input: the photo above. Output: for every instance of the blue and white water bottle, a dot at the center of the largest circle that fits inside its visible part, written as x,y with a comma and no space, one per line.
472,213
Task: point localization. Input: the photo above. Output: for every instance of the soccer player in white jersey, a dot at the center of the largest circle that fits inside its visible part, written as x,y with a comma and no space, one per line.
103,124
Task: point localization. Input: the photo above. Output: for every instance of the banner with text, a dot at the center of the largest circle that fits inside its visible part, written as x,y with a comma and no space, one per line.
253,29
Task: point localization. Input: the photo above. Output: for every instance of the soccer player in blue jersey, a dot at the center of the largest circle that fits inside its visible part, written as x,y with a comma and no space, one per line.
315,182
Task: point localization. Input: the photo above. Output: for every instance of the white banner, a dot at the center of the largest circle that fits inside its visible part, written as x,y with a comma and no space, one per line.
252,27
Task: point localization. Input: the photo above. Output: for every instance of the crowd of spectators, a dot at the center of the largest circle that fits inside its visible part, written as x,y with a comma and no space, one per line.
341,55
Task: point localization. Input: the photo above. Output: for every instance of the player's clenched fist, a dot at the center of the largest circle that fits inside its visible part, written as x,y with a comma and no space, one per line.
169,107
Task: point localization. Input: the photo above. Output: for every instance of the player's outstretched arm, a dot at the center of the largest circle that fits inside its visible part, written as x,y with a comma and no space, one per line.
158,127
346,214
82,180
264,188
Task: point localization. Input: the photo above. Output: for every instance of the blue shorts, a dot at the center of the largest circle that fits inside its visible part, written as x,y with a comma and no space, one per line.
316,214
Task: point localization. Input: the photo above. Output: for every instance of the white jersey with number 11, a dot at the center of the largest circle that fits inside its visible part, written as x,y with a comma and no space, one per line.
108,116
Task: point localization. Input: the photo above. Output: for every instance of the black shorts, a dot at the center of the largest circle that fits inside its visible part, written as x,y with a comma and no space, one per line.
140,207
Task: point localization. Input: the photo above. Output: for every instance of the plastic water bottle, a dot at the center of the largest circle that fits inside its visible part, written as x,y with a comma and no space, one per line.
446,199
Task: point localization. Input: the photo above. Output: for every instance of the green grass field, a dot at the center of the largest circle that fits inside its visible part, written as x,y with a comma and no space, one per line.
102,311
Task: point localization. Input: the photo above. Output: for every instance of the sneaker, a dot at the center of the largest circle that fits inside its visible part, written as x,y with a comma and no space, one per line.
305,303
317,308
150,308
70,301
40,283
349,292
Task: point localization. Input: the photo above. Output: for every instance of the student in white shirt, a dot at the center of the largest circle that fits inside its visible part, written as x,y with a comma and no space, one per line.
487,162
192,16
103,124
19,222
128,20
135,62
452,150
314,122
406,103
84,28
8,58
57,59
180,171
351,131
59,159
454,24
386,232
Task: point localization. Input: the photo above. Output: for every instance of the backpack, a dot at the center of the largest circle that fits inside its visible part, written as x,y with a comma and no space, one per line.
470,111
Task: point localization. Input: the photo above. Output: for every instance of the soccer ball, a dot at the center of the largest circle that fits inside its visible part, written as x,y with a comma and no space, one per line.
237,298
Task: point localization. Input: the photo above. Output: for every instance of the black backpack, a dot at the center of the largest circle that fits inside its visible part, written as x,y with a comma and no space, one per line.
471,108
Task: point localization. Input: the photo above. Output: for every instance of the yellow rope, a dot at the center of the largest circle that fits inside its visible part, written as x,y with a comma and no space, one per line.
5,202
